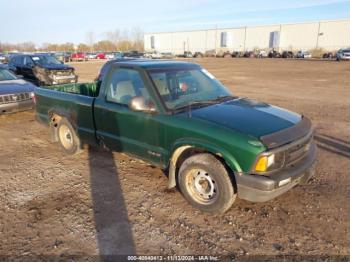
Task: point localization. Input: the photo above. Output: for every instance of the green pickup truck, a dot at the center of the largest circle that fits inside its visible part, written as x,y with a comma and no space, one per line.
213,145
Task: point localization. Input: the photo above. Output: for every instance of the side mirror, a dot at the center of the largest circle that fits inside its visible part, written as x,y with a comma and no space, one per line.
138,104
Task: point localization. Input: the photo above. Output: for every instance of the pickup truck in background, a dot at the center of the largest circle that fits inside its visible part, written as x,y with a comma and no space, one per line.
176,115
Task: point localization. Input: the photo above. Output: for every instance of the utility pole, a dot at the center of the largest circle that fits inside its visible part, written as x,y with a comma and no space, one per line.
245,38
318,34
216,38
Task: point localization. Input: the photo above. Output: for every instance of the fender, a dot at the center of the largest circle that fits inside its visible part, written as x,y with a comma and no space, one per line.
182,145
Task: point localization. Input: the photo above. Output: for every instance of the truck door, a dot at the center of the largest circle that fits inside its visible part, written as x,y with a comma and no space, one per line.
122,129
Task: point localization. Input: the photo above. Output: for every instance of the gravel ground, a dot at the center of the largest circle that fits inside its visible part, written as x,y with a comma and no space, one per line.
102,203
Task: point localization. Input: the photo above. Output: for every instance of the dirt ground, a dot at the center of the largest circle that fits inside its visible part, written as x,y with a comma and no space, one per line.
102,203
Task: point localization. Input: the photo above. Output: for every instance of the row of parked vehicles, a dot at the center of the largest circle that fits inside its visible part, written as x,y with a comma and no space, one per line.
79,56
342,54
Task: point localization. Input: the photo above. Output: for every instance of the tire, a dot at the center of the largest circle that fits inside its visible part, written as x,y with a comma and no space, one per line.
204,169
67,137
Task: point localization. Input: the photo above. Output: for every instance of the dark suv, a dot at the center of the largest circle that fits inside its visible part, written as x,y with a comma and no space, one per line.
42,69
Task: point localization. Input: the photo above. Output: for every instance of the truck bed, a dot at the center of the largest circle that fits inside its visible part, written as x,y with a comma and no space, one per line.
85,89
72,101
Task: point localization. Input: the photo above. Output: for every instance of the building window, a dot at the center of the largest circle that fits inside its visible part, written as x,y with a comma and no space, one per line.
223,39
152,42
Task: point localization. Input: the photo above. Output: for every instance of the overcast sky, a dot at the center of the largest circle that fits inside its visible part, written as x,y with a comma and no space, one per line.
62,21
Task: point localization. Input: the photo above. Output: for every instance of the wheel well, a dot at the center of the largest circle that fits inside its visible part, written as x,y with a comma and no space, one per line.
189,151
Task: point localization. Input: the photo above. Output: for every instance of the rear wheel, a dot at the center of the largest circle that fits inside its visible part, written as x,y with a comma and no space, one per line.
206,184
69,141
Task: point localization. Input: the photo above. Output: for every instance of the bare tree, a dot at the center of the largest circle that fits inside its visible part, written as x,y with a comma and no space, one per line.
113,36
90,39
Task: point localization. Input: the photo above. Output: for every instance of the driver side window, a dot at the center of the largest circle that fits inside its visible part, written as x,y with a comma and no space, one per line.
28,61
125,84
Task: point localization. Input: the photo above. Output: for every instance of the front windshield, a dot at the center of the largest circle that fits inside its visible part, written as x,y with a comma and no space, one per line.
6,75
184,86
45,60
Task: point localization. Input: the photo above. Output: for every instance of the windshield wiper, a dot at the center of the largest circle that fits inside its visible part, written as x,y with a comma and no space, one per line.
196,104
223,98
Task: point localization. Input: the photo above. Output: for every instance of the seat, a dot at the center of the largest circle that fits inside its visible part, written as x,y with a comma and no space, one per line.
124,92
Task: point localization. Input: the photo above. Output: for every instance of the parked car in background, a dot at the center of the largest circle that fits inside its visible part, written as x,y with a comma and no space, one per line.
156,55
237,54
287,54
90,56
198,55
303,54
134,54
15,94
78,57
210,53
249,54
328,55
215,146
3,58
227,54
343,54
262,54
109,56
62,56
274,54
167,55
42,69
186,54
101,56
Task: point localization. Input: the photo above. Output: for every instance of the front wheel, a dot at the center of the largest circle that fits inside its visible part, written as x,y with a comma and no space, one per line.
205,184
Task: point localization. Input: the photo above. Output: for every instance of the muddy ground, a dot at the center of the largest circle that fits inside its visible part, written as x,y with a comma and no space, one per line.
99,203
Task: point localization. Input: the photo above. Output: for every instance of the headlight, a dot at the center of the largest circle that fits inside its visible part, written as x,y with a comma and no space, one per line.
269,162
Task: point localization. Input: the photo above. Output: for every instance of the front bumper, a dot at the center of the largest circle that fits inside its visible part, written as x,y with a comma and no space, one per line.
257,188
16,106
57,80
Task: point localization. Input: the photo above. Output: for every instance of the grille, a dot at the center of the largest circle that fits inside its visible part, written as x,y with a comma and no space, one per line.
13,98
61,73
298,151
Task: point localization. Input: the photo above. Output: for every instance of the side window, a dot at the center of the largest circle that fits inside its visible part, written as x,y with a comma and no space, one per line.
125,84
20,61
28,61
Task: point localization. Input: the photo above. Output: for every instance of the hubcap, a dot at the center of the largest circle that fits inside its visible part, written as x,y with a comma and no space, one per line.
66,137
201,186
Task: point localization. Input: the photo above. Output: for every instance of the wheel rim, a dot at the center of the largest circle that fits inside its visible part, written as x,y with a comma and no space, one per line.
201,186
66,137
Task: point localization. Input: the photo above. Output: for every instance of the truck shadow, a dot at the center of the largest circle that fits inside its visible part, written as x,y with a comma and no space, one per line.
113,229
334,145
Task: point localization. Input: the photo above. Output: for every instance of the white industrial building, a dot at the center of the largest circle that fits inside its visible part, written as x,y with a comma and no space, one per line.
329,35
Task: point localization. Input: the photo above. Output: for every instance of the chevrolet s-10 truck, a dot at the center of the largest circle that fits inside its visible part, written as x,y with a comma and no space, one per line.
213,145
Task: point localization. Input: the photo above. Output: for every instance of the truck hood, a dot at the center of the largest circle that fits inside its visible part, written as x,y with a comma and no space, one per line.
56,67
249,117
15,86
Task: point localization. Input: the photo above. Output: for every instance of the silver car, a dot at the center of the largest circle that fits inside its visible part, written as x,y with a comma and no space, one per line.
343,54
